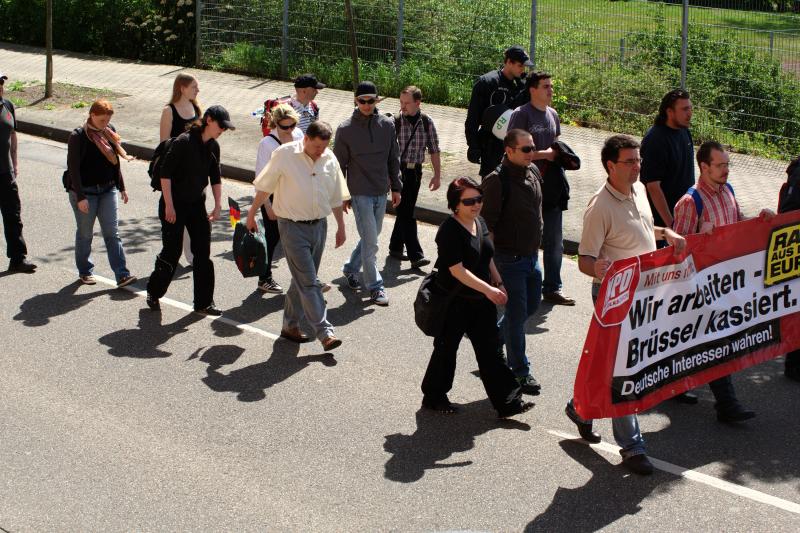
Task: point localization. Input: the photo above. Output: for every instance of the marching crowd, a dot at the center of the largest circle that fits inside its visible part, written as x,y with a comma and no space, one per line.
487,251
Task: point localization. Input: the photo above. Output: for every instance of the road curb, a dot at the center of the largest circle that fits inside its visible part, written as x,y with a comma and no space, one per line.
427,214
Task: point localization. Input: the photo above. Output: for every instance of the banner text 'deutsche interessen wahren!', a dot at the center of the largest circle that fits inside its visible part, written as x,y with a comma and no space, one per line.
665,324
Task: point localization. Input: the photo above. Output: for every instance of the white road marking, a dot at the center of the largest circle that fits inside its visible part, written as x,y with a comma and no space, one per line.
186,307
693,475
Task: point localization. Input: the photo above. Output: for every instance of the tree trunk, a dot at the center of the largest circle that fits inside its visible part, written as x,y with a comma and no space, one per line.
48,39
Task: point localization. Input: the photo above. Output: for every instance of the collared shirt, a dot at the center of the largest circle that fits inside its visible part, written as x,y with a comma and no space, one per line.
425,137
304,189
719,208
616,226
306,113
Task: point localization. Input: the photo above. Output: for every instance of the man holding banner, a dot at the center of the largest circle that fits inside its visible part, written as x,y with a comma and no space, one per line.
711,203
618,224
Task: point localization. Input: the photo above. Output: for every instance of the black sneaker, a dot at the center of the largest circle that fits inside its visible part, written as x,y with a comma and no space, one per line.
529,385
22,265
516,408
400,256
734,414
153,303
211,310
421,262
269,285
638,464
352,281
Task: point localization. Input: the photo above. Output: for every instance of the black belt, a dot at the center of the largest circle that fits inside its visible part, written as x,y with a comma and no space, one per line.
409,166
307,221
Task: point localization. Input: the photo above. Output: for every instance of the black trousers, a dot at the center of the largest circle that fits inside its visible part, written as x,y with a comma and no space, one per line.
11,208
478,319
273,238
194,218
793,360
405,227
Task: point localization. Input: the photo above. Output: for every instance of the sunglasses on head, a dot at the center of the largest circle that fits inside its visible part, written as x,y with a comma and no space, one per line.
472,201
366,101
526,149
289,127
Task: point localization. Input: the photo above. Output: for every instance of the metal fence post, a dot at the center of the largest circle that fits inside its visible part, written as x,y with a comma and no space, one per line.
622,51
771,43
534,6
197,13
684,42
398,57
285,41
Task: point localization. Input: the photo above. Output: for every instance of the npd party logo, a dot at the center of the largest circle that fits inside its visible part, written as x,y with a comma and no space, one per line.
616,293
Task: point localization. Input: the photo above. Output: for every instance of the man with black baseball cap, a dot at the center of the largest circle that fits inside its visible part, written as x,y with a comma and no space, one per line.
306,88
9,193
494,94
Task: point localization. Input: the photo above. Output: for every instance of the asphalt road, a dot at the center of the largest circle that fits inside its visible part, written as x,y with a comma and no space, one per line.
116,418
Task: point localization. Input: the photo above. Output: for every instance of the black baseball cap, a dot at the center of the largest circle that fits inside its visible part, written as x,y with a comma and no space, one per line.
517,53
220,115
366,88
308,80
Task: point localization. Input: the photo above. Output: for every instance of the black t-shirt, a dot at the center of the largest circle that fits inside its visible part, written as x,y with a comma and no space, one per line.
191,165
668,157
8,125
457,245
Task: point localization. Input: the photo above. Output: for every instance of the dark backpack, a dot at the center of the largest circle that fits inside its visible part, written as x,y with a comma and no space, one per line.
698,200
271,103
789,197
157,163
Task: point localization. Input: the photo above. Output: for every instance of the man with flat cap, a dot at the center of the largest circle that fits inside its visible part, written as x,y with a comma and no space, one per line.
494,97
306,88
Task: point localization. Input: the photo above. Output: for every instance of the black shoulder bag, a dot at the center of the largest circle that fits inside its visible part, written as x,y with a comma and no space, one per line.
431,303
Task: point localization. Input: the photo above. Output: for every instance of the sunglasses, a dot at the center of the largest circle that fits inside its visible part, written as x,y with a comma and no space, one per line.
289,127
472,201
366,101
526,149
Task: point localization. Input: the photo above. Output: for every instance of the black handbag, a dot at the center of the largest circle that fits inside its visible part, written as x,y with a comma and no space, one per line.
432,301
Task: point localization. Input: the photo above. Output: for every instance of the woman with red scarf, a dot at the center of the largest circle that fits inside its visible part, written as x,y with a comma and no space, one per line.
95,183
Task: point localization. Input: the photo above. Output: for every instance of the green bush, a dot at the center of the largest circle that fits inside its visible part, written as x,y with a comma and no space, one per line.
153,30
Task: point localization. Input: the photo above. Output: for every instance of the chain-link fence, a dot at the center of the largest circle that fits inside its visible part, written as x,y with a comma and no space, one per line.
612,60
739,59
441,46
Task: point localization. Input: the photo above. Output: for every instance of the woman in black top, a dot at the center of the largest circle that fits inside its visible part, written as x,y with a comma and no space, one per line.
94,178
177,116
465,260
191,162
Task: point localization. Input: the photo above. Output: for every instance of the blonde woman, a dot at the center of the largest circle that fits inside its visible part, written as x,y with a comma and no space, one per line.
94,184
283,123
176,117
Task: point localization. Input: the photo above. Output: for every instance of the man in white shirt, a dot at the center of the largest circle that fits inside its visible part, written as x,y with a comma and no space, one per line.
308,185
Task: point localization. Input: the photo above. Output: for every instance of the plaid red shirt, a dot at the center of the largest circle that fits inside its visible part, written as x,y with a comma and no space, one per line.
423,138
719,207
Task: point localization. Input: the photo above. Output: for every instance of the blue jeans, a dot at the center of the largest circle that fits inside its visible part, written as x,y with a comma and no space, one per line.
303,245
552,249
626,428
368,212
103,203
522,279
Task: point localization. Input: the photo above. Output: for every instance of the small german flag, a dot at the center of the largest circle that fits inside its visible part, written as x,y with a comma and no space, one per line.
234,211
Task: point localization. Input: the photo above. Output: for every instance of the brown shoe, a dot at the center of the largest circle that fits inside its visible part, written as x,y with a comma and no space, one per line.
556,298
295,335
330,342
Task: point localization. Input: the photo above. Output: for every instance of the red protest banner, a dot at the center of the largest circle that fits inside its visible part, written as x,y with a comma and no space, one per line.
665,324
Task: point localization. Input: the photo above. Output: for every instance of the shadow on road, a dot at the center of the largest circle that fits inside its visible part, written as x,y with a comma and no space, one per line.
251,382
143,341
439,436
609,495
40,309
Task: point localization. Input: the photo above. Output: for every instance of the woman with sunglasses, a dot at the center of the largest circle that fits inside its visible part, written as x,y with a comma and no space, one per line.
283,123
465,265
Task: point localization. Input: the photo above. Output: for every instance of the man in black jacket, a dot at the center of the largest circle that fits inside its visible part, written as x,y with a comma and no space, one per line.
504,87
512,209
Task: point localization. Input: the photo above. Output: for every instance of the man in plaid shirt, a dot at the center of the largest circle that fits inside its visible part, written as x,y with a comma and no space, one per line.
711,203
415,133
